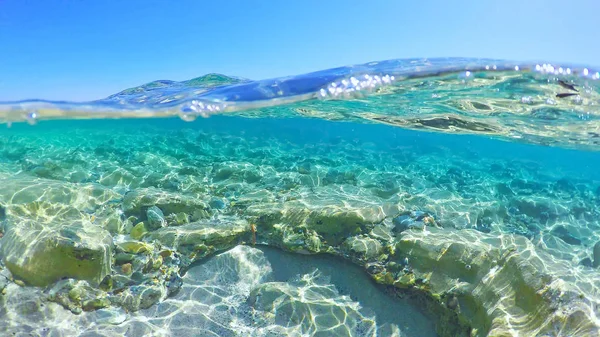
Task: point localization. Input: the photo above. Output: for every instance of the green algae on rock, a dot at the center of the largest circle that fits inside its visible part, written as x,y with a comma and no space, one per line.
156,218
138,231
134,247
363,247
78,296
138,201
41,254
202,238
334,224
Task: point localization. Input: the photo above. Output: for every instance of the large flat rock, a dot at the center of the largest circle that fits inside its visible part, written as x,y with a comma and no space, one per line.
42,253
502,285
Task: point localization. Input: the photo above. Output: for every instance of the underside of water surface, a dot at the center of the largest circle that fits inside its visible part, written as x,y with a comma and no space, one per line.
445,197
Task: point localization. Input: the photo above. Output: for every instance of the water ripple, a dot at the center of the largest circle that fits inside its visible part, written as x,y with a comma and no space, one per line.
538,103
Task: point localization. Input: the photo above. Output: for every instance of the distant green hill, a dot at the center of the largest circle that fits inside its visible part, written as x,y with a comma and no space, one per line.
206,81
212,80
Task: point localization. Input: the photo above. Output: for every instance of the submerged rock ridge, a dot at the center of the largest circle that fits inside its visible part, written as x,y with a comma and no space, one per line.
472,283
499,286
475,284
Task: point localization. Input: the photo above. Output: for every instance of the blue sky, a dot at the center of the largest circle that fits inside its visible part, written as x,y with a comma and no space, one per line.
81,50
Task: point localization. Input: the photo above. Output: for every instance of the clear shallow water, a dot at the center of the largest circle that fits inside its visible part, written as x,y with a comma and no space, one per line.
456,232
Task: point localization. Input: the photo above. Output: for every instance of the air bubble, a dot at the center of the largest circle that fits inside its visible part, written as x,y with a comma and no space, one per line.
188,113
188,117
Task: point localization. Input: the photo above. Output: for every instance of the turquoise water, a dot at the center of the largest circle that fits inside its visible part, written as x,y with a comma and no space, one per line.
448,197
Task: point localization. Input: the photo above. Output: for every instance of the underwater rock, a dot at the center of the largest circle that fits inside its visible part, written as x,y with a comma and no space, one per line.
412,220
500,289
114,225
538,208
332,223
2,212
363,247
374,268
237,172
383,186
563,234
4,279
119,176
596,254
156,218
217,203
304,167
139,297
503,190
404,222
297,240
137,201
126,269
76,296
122,258
111,220
202,238
177,219
174,283
381,232
335,176
138,231
587,262
134,247
41,254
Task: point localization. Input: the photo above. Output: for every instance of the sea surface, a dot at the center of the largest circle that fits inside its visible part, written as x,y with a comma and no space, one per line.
419,197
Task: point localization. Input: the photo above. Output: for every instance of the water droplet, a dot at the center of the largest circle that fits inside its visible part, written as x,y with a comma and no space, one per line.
32,117
466,76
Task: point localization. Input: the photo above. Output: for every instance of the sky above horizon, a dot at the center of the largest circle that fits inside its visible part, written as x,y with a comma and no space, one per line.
84,50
